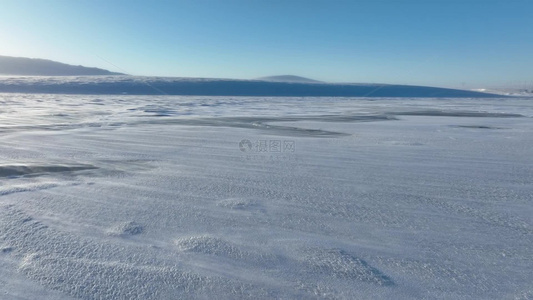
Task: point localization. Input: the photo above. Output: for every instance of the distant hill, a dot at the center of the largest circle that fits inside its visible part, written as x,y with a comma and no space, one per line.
21,66
288,78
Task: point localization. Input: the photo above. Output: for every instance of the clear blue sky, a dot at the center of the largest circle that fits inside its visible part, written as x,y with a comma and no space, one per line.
429,42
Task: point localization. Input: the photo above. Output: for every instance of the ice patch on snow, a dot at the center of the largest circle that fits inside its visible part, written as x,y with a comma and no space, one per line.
477,127
35,170
444,113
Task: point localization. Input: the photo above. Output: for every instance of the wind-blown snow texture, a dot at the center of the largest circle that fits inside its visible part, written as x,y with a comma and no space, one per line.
145,197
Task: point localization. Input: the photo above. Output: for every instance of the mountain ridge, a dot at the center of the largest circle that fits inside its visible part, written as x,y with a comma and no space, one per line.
50,77
23,66
289,78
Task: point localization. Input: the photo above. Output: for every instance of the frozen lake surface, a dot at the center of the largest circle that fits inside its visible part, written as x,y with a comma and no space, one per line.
168,197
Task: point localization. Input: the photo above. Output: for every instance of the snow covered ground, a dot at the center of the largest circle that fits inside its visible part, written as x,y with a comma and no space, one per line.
168,197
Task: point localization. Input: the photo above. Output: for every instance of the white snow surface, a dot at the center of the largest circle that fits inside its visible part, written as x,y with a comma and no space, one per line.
168,197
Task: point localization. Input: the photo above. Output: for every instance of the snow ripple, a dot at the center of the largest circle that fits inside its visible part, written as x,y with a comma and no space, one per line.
86,269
